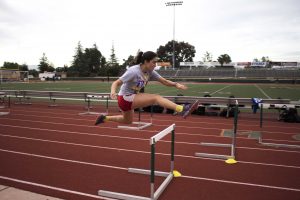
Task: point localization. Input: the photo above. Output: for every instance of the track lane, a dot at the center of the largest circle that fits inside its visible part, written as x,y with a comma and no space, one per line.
119,157
207,167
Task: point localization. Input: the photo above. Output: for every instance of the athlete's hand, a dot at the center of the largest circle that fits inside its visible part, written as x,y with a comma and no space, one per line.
113,96
181,86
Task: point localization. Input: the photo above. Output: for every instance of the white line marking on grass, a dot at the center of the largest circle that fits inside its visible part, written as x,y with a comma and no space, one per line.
120,168
263,92
57,88
220,89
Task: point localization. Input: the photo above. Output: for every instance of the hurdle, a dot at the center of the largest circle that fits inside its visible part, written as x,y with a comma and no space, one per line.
276,145
3,106
89,98
154,195
139,125
53,99
230,159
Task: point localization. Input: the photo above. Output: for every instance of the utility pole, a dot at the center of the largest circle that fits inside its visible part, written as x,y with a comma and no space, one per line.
174,3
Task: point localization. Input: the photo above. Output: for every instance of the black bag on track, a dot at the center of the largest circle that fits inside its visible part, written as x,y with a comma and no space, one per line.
289,115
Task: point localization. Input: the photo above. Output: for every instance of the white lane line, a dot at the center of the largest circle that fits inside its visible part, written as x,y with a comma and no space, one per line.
120,168
220,89
50,187
263,92
164,120
173,121
242,183
144,139
64,160
145,152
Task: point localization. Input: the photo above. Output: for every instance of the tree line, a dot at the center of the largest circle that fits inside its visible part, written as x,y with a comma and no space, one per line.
90,62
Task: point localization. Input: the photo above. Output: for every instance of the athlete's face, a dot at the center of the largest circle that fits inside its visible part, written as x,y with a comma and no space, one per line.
151,64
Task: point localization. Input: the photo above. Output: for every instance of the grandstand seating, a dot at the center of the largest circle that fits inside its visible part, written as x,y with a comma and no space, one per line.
234,73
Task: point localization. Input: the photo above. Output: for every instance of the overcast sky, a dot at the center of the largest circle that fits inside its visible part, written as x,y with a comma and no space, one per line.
244,29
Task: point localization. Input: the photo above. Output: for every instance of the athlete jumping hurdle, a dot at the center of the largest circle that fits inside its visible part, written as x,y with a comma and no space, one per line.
131,82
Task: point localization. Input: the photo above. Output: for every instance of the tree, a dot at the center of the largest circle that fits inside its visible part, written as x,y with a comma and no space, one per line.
15,66
92,57
129,62
78,64
113,61
44,65
265,59
225,58
9,65
207,57
113,68
62,69
23,67
184,52
33,72
103,63
87,63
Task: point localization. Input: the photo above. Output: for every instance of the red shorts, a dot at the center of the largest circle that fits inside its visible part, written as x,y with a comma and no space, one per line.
125,102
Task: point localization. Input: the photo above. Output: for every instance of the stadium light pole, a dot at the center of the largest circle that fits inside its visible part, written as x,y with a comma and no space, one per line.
174,3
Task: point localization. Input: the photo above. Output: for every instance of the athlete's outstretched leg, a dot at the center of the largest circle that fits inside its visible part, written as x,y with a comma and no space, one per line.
143,99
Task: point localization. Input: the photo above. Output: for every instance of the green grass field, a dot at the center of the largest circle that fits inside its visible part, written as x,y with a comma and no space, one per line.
264,91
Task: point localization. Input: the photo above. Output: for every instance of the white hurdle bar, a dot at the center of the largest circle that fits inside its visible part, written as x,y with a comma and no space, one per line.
154,195
232,145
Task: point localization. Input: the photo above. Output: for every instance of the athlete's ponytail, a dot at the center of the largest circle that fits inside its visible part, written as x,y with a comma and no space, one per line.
142,57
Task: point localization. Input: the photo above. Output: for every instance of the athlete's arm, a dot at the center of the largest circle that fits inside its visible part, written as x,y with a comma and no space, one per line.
113,89
172,84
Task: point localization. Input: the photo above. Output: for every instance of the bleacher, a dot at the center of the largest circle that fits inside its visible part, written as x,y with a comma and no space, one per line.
233,73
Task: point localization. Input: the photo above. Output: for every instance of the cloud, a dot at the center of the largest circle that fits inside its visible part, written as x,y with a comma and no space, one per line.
243,29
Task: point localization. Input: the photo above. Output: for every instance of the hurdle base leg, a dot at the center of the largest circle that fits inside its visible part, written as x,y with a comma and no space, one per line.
138,126
165,183
89,113
52,105
215,144
279,145
122,196
276,144
4,113
148,172
157,193
217,156
209,155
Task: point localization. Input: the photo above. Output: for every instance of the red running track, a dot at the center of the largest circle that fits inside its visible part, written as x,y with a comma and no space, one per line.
56,152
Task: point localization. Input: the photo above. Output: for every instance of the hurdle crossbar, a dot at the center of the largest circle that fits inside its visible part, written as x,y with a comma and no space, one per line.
154,195
232,145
